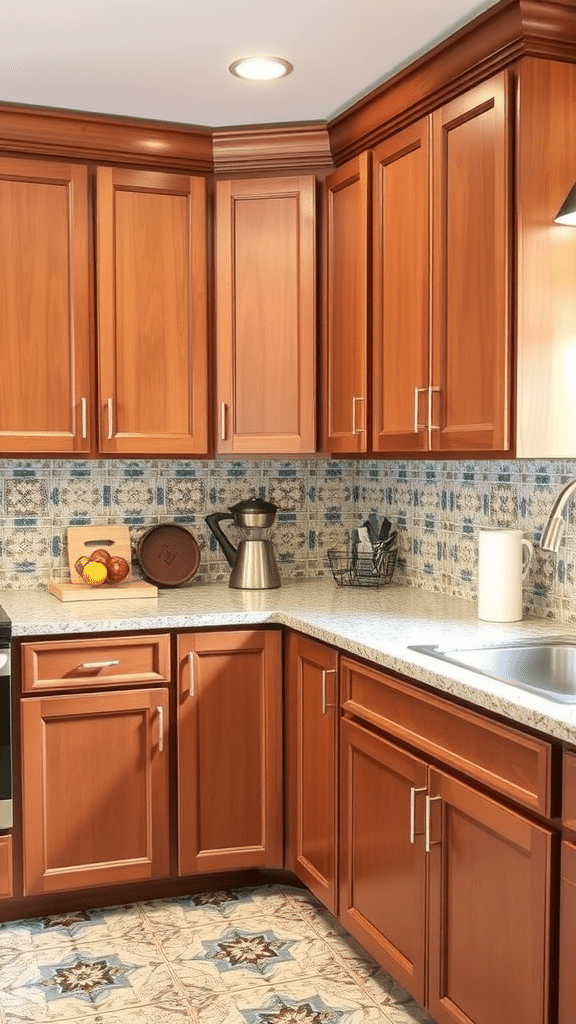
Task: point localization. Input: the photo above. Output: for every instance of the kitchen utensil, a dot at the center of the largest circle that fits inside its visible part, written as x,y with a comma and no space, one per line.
384,529
504,558
253,561
168,554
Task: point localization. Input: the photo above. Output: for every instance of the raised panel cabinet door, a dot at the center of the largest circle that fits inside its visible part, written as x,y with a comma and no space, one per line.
382,857
347,202
266,315
152,312
489,907
312,766
472,210
401,291
230,784
95,789
567,987
45,324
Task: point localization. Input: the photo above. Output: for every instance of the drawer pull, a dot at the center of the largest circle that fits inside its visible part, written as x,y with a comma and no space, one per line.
191,674
325,672
93,666
427,841
160,711
413,791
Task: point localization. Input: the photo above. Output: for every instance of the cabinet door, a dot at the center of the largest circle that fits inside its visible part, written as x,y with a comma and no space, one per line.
45,333
567,990
471,329
95,789
401,324
347,295
489,871
229,751
382,858
312,766
265,315
152,312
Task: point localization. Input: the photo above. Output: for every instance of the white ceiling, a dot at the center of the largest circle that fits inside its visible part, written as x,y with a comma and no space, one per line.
168,59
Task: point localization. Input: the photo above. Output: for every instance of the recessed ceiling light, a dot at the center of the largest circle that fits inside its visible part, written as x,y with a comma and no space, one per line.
260,69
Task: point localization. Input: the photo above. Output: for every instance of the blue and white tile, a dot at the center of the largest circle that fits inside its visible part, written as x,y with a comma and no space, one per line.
329,1001
185,495
27,497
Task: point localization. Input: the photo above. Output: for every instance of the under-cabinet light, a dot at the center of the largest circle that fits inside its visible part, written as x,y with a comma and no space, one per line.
567,212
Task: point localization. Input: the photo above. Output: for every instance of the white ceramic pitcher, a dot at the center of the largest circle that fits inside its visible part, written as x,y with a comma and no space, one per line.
504,558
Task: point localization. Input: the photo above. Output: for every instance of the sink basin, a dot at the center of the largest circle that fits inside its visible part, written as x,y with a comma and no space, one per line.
546,667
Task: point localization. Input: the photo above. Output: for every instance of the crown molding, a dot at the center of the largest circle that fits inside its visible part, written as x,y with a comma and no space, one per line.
283,147
75,135
493,41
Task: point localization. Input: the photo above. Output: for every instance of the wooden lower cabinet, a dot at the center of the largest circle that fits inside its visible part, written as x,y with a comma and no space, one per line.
311,784
94,788
447,888
230,796
383,876
567,985
6,866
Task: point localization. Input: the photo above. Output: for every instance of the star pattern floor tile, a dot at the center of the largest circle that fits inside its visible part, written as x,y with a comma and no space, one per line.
269,955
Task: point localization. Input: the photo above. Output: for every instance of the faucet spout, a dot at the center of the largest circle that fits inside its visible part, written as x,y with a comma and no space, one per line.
555,524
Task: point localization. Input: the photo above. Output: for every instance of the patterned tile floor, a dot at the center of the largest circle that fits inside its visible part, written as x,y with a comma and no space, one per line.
269,955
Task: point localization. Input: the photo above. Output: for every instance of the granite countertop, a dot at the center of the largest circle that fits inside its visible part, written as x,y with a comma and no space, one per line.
378,625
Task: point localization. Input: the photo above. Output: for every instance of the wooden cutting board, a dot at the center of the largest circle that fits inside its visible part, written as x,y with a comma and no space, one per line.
82,540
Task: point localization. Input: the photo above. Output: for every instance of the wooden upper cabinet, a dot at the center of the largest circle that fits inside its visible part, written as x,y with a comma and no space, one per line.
471,331
441,256
265,315
152,312
401,324
44,307
345,394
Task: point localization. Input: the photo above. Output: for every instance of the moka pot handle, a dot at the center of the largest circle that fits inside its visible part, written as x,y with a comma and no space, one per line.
227,547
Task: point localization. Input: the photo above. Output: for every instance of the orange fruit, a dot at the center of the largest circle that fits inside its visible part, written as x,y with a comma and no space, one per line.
94,573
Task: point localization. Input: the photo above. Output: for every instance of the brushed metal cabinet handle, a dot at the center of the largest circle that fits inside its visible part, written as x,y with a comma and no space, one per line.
110,406
84,417
418,426
427,841
355,428
160,711
326,672
191,674
223,421
91,666
413,791
431,390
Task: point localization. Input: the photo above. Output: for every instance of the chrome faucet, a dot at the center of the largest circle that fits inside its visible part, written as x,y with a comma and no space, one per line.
554,525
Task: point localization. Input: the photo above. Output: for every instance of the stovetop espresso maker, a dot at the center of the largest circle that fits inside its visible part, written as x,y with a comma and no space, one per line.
253,561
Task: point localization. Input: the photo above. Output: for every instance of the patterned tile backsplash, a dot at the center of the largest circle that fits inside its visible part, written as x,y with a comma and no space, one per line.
437,508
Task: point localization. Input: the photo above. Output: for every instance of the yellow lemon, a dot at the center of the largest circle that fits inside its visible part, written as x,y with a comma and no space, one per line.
94,573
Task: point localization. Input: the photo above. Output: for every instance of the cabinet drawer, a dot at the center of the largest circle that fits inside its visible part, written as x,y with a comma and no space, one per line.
74,664
508,761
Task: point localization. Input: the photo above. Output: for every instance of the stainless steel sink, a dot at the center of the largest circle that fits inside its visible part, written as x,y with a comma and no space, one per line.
546,667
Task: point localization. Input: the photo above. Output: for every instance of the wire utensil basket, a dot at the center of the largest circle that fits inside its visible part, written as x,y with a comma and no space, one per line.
350,569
